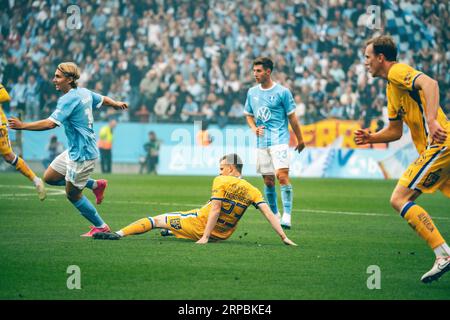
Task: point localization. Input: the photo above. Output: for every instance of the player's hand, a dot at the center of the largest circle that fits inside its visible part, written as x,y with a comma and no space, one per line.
361,136
260,130
438,134
15,123
300,146
289,242
121,105
202,240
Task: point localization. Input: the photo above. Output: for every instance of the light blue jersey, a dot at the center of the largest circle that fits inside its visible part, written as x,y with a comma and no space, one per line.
74,111
270,108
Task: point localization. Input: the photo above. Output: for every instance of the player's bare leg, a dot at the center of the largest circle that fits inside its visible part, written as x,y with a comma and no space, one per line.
402,200
54,178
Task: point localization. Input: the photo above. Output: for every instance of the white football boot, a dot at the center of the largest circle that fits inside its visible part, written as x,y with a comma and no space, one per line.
286,221
441,266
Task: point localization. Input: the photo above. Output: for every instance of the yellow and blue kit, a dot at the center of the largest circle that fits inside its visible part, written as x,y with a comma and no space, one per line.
236,195
431,171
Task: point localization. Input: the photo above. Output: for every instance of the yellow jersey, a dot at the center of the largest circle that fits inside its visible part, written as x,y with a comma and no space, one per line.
408,104
236,195
4,97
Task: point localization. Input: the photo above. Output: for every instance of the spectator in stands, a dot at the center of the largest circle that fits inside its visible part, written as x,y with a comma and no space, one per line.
190,109
236,113
164,109
119,44
32,99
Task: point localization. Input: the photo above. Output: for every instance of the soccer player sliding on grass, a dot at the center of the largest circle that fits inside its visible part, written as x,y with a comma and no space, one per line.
73,167
216,220
413,97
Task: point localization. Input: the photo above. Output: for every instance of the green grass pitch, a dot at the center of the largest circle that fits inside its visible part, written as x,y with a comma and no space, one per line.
341,226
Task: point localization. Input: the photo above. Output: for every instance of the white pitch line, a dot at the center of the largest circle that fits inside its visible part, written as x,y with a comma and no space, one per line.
191,205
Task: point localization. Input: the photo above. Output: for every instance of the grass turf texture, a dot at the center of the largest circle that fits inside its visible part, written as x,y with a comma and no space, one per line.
341,226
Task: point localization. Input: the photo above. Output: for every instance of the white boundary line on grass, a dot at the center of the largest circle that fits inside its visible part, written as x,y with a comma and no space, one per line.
57,192
50,192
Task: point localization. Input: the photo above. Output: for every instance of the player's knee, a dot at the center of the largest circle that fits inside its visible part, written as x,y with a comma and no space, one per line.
283,179
397,201
9,157
160,221
269,181
283,176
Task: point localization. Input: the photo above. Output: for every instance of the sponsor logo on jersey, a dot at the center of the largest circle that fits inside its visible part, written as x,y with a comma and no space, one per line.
264,114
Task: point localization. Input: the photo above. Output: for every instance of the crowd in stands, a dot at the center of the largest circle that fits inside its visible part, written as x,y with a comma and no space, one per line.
176,60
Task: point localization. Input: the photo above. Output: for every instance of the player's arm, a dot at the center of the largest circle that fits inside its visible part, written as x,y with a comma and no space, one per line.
265,210
259,131
297,131
107,101
214,212
40,125
430,89
392,132
4,96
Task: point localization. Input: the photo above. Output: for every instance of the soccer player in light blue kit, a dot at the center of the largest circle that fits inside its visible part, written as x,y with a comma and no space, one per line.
269,108
73,167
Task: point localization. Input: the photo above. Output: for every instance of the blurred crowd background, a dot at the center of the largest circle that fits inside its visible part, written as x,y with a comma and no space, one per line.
179,61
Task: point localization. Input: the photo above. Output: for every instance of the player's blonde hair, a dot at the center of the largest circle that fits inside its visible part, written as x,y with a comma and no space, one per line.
70,70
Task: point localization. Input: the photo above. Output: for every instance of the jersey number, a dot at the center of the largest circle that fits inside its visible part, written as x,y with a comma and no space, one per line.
88,113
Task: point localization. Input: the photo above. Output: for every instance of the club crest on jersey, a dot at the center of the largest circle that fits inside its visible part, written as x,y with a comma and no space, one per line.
175,223
272,98
431,179
264,114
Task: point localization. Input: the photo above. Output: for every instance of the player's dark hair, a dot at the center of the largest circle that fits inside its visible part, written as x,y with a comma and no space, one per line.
267,63
384,45
234,160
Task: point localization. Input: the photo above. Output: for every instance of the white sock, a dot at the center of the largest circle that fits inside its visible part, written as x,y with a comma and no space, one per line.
94,185
442,250
120,233
37,180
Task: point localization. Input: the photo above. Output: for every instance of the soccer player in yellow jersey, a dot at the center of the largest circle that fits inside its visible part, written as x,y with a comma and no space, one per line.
216,220
413,97
8,154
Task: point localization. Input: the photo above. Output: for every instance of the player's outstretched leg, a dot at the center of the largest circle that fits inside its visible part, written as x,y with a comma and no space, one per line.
98,188
24,169
138,227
